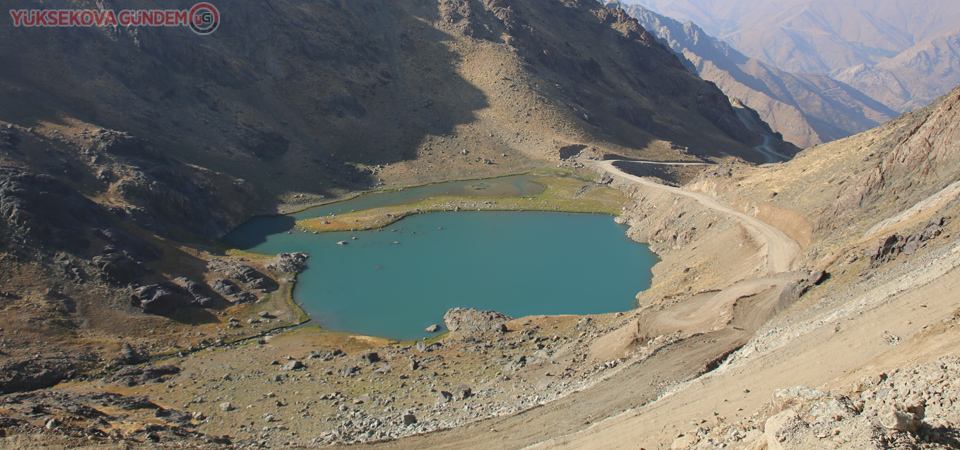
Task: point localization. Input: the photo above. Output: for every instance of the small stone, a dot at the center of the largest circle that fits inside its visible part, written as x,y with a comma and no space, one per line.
371,357
226,406
421,347
293,365
899,421
779,427
684,442
433,328
463,392
444,397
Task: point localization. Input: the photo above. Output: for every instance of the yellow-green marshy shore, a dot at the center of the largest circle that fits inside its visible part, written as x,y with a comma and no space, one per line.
560,194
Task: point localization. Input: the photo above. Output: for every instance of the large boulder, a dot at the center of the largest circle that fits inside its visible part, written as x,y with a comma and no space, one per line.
288,262
196,291
42,209
242,274
473,321
161,298
118,268
232,292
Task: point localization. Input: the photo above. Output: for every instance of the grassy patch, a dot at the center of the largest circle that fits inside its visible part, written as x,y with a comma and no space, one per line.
562,194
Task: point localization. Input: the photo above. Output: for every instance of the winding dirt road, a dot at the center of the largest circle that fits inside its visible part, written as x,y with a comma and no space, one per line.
780,250
770,155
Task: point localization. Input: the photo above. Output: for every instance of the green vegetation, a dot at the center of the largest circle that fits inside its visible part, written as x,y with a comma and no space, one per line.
561,194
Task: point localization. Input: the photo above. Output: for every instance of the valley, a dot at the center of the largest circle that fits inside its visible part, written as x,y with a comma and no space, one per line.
175,209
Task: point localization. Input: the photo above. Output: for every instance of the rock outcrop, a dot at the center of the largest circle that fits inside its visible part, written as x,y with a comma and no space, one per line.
910,408
288,263
27,374
242,274
161,298
166,297
40,210
895,244
472,321
924,159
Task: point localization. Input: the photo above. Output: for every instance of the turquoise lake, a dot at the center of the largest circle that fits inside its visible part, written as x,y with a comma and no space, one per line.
395,282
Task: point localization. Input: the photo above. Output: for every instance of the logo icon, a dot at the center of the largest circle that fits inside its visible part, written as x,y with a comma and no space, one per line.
204,18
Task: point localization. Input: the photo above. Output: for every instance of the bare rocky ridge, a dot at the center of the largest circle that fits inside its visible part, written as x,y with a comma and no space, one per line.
284,96
807,109
900,53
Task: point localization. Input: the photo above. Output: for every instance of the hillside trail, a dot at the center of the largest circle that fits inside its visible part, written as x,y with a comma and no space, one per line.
770,156
711,324
779,249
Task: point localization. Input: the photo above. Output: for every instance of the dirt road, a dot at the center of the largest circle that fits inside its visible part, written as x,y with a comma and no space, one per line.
780,249
765,150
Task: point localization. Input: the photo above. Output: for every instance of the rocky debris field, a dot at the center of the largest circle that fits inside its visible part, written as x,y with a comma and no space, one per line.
310,387
99,417
912,408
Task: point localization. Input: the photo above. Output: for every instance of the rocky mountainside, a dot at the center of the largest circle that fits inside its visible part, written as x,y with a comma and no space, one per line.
902,172
913,77
126,153
807,109
350,94
886,234
864,357
902,53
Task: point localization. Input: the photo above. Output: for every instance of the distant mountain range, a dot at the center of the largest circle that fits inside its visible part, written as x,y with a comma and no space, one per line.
807,109
904,53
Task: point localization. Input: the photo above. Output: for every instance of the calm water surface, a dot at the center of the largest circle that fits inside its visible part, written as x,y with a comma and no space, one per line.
396,282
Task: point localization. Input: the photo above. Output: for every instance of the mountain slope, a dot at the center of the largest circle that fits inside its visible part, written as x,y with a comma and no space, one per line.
878,214
901,53
806,109
126,153
912,78
292,90
817,35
